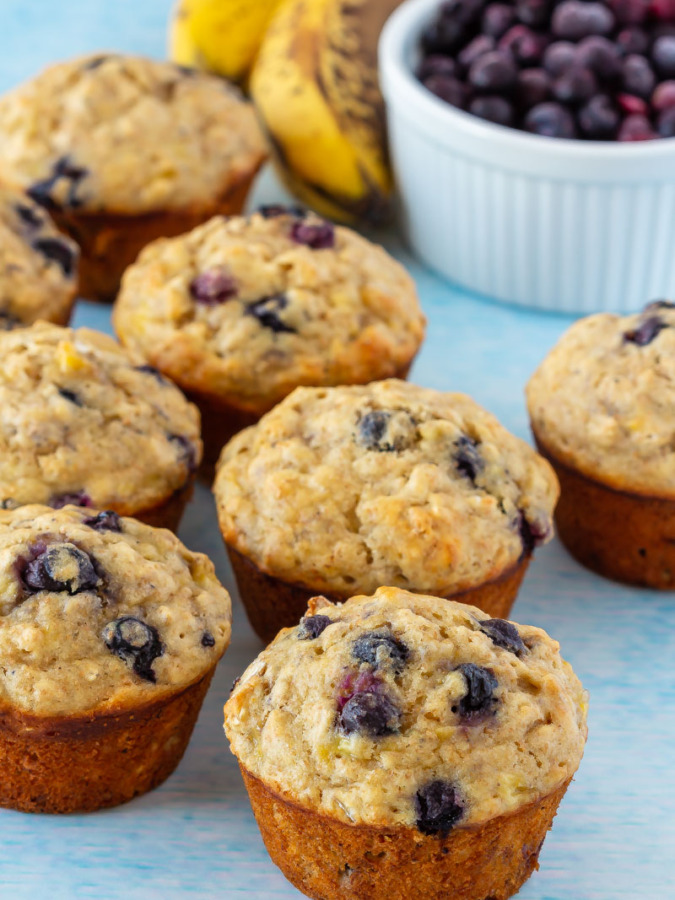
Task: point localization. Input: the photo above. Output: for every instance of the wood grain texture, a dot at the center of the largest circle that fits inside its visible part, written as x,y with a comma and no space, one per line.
195,837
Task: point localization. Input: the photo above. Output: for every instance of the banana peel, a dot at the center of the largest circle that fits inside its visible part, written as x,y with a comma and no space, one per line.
315,85
221,36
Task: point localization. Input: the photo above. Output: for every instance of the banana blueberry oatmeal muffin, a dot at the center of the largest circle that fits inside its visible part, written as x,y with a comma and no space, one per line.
402,746
243,310
123,150
342,490
110,632
602,406
38,265
84,422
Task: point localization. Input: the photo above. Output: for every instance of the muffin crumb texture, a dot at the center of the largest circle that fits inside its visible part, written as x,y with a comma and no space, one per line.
351,488
247,308
403,709
101,613
603,399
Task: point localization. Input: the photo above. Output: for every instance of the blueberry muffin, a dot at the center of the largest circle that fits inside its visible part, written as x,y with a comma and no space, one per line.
38,265
109,635
342,490
399,744
243,310
602,406
122,150
83,421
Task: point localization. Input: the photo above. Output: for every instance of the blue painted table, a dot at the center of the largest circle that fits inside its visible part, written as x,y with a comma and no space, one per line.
614,837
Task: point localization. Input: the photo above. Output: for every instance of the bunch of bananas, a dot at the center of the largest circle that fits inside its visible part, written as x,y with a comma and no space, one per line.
311,66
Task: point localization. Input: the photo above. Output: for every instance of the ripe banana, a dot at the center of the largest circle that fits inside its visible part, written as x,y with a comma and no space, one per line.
316,89
222,36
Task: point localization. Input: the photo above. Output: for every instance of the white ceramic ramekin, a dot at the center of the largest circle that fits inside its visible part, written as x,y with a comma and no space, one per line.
569,226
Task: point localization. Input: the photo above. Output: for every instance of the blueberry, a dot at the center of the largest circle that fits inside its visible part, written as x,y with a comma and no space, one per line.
550,120
632,40
465,11
274,210
8,322
319,236
559,57
646,331
492,109
659,304
533,86
638,77
532,533
438,807
497,19
41,191
526,47
104,521
213,287
57,251
95,63
76,498
533,12
443,36
632,106
480,687
503,634
636,128
476,48
70,396
599,119
29,215
629,12
60,567
448,89
575,86
208,640
371,714
379,649
436,64
151,370
385,432
601,56
312,626
468,460
664,96
574,20
186,451
663,55
495,71
135,642
266,311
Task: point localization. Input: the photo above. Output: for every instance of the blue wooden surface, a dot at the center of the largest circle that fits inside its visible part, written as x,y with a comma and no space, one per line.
614,837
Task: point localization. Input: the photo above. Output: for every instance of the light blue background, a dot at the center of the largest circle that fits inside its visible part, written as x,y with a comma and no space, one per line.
614,837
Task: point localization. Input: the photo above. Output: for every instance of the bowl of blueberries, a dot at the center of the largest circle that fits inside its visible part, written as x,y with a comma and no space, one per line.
533,143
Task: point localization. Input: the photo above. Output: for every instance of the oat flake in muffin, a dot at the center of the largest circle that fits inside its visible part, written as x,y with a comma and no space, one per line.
389,483
400,709
603,399
83,421
38,265
247,308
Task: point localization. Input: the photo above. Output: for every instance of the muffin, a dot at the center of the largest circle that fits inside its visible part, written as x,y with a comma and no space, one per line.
38,265
602,406
123,150
109,635
401,746
341,490
241,311
84,422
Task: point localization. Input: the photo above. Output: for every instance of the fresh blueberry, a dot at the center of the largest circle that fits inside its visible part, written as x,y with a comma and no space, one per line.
371,714
104,521
208,640
601,56
312,626
559,57
533,12
443,36
438,807
646,331
41,191
503,634
632,40
60,567
550,120
436,64
636,128
533,87
479,699
135,642
57,251
599,119
575,86
380,649
468,459
497,19
266,311
632,106
638,77
476,48
574,20
524,45
448,89
629,12
664,96
319,236
186,450
492,109
76,498
663,55
493,72
213,287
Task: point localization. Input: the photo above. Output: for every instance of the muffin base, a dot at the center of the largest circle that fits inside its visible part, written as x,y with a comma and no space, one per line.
168,514
625,537
110,242
221,420
84,763
330,860
272,604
